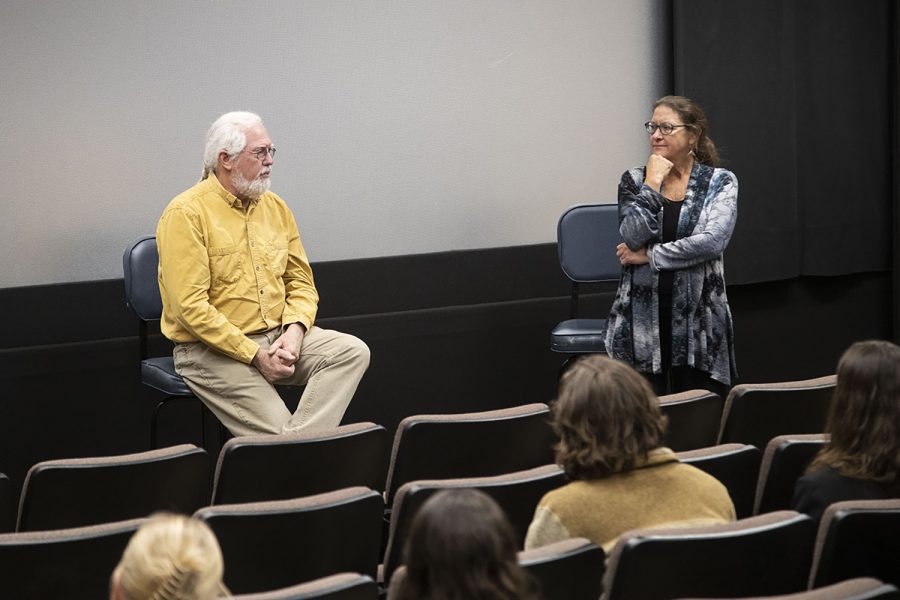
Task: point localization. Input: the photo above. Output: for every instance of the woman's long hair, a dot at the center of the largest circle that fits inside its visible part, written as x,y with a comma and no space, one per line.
462,547
864,420
693,116
607,418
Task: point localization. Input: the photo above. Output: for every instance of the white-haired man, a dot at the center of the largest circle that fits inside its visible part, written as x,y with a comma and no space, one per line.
238,295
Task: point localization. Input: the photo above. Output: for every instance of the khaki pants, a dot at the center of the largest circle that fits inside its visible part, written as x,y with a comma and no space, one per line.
330,365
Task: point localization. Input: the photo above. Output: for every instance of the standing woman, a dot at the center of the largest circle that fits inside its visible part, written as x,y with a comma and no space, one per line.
671,319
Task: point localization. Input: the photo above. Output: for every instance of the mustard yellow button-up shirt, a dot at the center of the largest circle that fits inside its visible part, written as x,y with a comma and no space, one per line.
225,272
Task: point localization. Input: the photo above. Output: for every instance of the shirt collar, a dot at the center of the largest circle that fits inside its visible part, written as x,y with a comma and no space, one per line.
657,456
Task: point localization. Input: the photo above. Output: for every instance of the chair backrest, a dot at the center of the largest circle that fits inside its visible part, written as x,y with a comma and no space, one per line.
587,235
270,545
784,461
757,412
735,465
863,588
694,419
765,555
277,467
568,570
140,264
517,494
476,444
87,491
74,563
7,505
343,586
858,538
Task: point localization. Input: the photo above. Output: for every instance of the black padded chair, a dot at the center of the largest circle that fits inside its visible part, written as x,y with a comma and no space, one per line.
694,419
735,465
478,444
586,235
516,493
858,538
87,491
784,461
765,555
568,570
757,412
271,545
863,588
277,467
140,264
67,563
7,505
343,586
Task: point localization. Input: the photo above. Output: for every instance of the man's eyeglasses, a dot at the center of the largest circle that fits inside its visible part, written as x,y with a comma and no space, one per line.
261,153
664,128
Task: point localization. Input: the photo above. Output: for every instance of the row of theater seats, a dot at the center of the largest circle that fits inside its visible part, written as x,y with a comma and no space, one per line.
425,446
752,413
274,544
353,586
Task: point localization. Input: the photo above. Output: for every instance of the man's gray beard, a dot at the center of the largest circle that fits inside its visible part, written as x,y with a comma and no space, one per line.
250,189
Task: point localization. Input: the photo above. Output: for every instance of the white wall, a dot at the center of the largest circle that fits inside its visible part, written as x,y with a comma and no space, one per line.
402,126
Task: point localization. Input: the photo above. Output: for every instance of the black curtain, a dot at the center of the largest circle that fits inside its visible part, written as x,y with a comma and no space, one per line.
800,96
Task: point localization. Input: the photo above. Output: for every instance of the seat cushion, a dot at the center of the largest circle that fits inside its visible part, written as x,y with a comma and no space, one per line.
579,336
159,373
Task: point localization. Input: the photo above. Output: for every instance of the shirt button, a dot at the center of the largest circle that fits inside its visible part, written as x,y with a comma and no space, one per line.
260,292
257,267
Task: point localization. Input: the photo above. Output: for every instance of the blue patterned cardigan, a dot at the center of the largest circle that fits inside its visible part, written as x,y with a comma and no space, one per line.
702,329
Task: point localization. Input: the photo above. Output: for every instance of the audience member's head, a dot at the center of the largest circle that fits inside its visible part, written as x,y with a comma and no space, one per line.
607,418
170,557
462,547
227,134
864,420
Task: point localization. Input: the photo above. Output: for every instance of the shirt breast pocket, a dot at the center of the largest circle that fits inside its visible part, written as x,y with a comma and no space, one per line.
226,265
277,257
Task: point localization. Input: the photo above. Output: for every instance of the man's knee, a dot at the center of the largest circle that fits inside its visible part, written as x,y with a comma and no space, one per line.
357,350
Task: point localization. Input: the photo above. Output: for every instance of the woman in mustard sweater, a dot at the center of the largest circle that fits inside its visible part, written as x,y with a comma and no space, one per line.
610,429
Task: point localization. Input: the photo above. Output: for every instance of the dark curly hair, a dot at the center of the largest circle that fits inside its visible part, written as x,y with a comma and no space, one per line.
607,418
462,547
864,419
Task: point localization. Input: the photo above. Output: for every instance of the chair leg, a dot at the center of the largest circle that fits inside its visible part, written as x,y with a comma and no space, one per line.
566,364
203,412
153,422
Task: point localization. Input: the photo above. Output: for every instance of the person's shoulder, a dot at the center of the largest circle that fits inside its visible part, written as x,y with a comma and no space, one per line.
724,175
190,198
273,200
829,478
570,494
825,475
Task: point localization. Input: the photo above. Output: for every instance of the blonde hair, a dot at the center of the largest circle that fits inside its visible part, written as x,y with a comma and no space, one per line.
170,557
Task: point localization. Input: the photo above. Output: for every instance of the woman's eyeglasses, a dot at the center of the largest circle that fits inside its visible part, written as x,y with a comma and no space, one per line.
664,128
